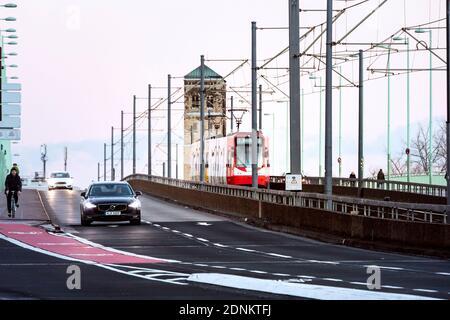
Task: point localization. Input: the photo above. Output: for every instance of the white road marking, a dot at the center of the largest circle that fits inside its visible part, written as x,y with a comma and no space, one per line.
165,228
203,240
281,274
188,235
332,279
297,289
279,255
97,245
56,244
246,250
220,245
307,277
383,267
359,283
200,265
392,287
219,267
258,272
110,267
425,290
203,224
443,273
91,254
176,231
238,269
323,262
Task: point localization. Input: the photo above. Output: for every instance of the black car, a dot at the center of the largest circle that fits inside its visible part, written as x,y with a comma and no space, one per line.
110,201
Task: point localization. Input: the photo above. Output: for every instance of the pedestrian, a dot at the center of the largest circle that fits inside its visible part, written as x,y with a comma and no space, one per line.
380,178
352,179
13,183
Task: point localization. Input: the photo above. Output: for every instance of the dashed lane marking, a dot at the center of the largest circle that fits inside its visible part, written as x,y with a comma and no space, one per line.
426,290
392,287
246,250
333,280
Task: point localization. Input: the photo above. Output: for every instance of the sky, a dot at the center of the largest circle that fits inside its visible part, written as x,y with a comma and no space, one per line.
81,61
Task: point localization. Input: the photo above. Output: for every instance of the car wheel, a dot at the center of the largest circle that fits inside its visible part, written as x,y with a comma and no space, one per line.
135,222
85,222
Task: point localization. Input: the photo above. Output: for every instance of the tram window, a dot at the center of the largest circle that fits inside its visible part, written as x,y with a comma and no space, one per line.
244,152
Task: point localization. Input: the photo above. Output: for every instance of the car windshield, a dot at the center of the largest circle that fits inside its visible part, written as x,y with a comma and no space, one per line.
110,190
60,175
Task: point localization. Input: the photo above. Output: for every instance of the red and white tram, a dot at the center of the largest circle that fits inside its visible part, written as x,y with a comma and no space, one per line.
228,160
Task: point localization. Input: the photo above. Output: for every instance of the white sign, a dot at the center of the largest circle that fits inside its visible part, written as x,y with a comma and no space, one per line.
11,110
10,122
293,182
9,134
11,87
11,97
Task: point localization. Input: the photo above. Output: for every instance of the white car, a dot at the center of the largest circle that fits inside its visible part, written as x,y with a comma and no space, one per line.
60,180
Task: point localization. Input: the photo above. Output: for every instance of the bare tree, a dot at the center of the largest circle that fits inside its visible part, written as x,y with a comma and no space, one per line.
420,152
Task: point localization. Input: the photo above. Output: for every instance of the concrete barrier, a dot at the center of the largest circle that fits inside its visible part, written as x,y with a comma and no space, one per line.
400,236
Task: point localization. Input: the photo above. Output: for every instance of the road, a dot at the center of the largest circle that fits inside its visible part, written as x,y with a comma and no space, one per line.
196,255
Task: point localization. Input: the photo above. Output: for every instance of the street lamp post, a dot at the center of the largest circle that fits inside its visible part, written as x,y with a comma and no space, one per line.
320,124
430,117
287,134
272,146
408,107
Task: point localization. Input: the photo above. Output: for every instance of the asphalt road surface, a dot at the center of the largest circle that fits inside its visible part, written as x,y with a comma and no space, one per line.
180,253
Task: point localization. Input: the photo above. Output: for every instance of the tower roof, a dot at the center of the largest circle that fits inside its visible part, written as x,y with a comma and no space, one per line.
208,73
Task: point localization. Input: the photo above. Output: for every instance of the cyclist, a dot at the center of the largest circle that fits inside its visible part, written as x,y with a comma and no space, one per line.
12,183
15,166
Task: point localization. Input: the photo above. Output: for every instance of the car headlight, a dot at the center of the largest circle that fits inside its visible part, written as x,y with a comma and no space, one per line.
136,204
89,205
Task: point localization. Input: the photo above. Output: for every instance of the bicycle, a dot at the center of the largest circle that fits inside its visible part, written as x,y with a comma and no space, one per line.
13,205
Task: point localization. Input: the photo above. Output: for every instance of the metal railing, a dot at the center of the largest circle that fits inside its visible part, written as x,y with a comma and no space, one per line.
413,212
419,188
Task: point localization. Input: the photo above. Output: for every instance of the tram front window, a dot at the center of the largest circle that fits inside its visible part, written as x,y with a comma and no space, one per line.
244,152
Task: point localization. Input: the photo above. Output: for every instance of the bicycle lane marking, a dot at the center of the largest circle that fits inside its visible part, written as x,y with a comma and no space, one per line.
71,248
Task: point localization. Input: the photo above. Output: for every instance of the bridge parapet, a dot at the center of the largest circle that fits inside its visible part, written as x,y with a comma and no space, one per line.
411,212
399,186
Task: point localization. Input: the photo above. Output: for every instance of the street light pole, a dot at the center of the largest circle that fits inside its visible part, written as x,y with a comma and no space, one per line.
320,129
260,107
329,106
232,115
294,86
408,115
112,154
121,146
340,123
169,127
149,139
388,169
448,105
254,111
430,133
202,118
134,134
361,122
302,107
104,162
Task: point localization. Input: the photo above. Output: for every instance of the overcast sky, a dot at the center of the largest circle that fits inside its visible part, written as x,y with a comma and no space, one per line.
80,62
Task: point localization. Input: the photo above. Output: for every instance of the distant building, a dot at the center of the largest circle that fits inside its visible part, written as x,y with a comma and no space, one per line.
215,110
